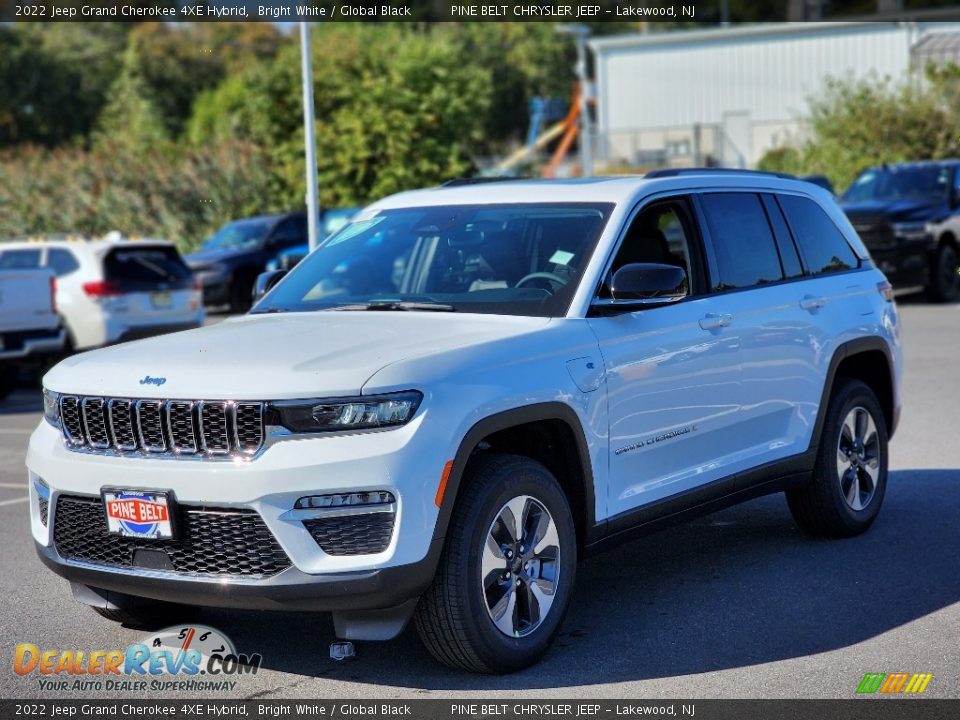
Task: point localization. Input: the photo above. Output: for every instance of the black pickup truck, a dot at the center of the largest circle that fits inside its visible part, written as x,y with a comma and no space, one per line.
907,215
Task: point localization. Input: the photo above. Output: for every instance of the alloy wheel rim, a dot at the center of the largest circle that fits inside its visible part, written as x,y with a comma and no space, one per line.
858,458
520,566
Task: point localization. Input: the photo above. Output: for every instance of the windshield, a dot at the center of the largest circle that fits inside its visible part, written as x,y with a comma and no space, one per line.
239,235
908,183
504,259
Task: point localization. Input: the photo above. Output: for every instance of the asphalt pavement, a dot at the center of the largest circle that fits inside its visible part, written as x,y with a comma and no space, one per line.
737,604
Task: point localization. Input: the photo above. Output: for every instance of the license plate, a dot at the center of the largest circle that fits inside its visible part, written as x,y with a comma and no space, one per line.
161,299
136,514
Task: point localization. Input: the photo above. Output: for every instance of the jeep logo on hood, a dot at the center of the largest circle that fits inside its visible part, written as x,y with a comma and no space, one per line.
158,381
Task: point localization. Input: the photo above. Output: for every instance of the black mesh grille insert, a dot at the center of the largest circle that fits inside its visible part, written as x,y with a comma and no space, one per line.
213,427
211,542
95,418
150,415
363,534
70,417
44,505
249,421
121,424
180,417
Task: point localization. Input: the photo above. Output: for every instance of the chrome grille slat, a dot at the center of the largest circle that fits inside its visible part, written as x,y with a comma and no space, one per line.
248,427
180,425
201,429
214,427
150,422
70,420
123,432
95,422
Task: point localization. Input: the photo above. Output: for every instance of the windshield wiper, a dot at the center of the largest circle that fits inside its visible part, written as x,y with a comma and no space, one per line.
398,305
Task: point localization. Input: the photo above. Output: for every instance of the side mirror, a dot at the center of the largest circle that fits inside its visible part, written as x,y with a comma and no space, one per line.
645,284
265,282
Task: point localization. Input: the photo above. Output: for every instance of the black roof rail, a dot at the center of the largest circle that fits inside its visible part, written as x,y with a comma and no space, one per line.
457,182
678,172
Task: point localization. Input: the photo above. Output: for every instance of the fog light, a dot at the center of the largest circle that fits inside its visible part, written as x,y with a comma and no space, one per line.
376,497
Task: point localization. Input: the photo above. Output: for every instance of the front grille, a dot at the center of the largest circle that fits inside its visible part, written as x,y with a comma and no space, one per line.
210,542
162,427
360,534
874,230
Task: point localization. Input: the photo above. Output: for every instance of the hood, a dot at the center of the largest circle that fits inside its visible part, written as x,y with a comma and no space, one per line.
897,210
272,357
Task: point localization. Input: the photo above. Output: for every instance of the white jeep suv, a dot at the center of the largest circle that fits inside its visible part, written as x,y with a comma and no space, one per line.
465,391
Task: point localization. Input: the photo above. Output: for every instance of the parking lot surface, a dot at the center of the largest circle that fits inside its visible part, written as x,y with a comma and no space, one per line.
736,604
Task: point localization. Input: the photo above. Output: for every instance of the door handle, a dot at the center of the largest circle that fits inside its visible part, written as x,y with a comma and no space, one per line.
711,321
811,303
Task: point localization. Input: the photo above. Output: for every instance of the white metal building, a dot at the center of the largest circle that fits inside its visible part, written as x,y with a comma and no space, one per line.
727,95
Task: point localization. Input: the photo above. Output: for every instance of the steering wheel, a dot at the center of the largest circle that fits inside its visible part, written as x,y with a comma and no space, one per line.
550,277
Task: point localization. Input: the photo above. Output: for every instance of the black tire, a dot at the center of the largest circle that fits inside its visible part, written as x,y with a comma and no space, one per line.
824,508
241,293
452,617
9,379
145,614
944,275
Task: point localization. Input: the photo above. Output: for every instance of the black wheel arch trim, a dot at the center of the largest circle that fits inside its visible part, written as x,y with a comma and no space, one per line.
843,352
505,420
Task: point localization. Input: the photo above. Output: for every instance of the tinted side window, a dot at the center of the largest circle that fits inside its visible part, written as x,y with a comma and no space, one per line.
822,244
61,261
742,240
289,232
20,259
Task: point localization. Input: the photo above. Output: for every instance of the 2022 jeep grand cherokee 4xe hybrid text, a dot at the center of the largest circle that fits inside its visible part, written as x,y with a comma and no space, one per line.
464,392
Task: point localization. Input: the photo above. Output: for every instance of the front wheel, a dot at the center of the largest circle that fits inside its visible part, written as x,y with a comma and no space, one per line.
507,569
850,475
945,280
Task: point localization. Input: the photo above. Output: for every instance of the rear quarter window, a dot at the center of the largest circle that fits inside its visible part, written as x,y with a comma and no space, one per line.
62,262
823,246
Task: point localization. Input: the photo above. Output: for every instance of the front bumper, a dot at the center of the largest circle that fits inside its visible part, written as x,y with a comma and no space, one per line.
291,589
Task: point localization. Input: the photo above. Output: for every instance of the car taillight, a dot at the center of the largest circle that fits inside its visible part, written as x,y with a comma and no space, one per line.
102,288
885,289
53,295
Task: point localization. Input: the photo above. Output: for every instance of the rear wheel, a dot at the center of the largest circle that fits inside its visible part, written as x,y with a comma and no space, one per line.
850,476
507,570
945,279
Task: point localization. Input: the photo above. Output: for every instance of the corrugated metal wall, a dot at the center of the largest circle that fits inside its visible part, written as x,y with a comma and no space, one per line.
657,83
768,76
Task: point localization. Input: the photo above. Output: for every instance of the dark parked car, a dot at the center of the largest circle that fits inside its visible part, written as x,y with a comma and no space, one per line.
228,263
330,221
820,181
903,212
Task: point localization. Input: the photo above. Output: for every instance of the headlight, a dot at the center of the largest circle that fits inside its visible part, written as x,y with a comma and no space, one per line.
911,230
51,407
342,415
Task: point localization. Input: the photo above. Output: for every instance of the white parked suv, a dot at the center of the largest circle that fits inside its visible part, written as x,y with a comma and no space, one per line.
465,391
113,289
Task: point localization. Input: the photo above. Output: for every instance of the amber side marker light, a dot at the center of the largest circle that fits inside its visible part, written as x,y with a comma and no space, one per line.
444,476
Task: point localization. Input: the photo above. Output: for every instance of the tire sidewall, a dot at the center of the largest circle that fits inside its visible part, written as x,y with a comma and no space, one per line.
854,394
526,478
946,291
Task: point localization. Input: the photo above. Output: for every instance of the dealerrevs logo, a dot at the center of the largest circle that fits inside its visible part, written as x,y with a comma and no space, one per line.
171,659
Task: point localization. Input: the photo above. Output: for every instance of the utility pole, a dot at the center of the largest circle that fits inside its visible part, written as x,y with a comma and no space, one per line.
580,34
309,136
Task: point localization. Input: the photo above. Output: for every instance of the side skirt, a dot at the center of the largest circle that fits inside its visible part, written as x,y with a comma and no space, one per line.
793,472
